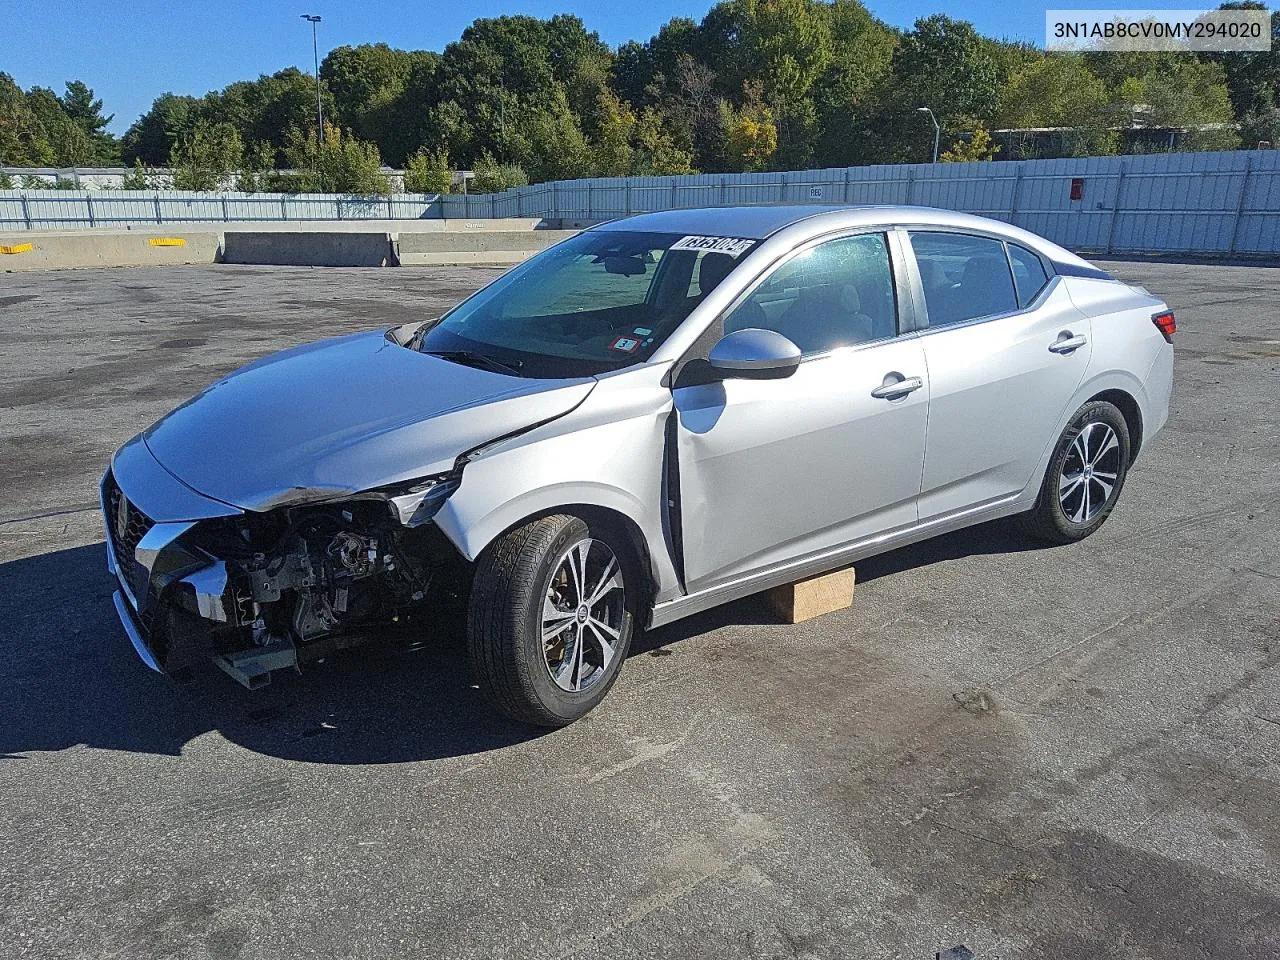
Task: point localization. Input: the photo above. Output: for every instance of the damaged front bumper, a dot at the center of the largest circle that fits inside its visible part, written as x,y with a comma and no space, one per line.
149,561
200,580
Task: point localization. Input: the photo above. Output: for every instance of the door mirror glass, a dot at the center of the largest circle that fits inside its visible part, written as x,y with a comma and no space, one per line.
755,354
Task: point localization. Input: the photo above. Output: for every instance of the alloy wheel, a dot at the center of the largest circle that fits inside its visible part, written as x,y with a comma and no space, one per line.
582,615
1089,471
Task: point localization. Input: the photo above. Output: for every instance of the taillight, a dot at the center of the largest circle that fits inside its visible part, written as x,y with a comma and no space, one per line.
1166,324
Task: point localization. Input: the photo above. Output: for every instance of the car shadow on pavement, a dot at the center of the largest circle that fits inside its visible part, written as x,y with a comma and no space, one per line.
68,676
994,536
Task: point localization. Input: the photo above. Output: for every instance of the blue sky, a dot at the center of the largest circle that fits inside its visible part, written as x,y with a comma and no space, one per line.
130,51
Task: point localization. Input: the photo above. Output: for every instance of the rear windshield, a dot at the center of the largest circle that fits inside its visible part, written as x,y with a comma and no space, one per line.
596,302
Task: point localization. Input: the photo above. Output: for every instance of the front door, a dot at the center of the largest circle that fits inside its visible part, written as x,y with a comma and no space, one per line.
778,470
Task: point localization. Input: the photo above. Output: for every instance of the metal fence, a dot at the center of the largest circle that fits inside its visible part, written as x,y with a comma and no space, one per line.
1188,203
75,210
1225,202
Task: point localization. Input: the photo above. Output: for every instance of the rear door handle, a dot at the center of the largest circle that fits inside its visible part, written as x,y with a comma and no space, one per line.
1067,344
896,385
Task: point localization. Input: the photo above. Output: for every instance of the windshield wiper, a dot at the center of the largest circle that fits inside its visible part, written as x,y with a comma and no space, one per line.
471,359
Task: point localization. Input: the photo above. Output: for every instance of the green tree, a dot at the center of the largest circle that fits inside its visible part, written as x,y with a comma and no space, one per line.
69,144
489,176
611,146
855,83
428,171
208,157
340,164
517,87
641,72
548,141
152,136
977,146
655,152
267,109
1059,90
382,94
1192,94
946,65
1260,126
81,108
790,47
1252,78
138,178
753,135
23,139
258,174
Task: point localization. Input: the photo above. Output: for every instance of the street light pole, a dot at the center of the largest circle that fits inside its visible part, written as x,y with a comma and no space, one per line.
937,130
315,55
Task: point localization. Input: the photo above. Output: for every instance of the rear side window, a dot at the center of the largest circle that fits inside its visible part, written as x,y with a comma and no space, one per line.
964,277
1029,275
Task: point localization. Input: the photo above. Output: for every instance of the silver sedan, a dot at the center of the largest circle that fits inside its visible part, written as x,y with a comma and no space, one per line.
658,415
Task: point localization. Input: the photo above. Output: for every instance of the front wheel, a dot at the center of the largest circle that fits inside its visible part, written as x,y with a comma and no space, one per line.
1084,477
550,619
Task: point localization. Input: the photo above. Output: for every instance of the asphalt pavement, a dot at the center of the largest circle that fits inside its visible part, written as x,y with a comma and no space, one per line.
1037,753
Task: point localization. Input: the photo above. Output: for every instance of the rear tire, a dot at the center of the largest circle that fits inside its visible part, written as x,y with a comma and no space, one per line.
1084,478
550,619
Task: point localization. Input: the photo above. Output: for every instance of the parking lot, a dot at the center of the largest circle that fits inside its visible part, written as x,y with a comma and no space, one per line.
1038,753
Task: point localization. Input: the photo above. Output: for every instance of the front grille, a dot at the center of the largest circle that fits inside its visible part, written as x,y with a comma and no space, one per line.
125,541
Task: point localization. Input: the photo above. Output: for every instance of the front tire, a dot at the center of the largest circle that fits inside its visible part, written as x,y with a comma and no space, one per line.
550,619
1084,478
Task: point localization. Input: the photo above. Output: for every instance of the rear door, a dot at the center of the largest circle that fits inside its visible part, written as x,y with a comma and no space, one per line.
1006,350
776,470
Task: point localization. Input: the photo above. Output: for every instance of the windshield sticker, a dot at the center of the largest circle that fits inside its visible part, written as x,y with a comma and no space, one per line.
733,246
625,345
642,331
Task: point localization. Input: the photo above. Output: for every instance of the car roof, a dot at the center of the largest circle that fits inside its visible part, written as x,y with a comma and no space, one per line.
751,222
766,220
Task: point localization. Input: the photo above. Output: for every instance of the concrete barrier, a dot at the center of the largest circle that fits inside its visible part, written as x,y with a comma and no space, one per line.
480,247
458,225
387,243
308,249
57,251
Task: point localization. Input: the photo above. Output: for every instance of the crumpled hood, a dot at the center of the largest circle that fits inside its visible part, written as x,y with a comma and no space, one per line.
344,415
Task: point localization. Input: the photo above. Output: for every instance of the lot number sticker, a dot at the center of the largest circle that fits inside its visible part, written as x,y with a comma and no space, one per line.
733,246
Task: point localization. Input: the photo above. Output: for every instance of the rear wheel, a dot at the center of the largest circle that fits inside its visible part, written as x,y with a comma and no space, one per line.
1084,476
550,619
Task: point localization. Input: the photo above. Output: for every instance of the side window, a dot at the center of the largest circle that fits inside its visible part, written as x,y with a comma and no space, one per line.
964,277
1029,275
836,294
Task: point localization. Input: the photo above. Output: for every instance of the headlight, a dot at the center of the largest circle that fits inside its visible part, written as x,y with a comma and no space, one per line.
417,501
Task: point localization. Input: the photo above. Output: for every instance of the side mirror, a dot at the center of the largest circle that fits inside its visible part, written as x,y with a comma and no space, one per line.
755,354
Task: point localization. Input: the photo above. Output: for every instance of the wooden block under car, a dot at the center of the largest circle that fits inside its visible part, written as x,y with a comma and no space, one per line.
806,599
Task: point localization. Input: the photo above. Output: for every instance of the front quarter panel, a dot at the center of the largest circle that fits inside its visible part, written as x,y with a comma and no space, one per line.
607,453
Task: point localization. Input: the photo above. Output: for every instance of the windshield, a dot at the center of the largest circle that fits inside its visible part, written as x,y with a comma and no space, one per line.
597,302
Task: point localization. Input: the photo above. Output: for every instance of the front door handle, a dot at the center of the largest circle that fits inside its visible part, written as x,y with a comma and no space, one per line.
895,385
1067,343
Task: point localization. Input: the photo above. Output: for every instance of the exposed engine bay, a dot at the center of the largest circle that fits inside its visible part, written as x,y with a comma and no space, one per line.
296,584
